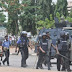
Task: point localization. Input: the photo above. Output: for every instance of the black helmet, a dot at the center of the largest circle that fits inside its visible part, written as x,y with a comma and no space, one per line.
62,34
44,34
23,33
67,35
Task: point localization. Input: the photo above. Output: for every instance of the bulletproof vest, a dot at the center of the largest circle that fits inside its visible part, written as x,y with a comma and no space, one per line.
63,45
44,45
23,42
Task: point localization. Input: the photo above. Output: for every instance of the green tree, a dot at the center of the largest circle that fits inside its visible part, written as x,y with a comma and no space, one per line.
58,16
70,13
27,17
45,8
2,18
12,7
69,19
61,7
47,23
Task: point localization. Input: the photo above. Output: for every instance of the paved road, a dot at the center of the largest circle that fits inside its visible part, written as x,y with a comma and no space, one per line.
15,61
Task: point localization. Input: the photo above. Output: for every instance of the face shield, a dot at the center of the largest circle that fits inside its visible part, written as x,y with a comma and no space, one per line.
24,34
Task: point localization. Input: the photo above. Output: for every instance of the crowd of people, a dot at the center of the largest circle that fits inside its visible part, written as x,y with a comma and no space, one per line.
63,45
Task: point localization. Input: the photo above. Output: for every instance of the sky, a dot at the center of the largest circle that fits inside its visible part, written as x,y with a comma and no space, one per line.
56,0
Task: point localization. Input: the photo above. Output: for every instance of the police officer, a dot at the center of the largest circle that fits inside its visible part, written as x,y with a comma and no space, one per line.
66,63
38,50
44,53
39,41
63,48
5,47
49,44
23,43
43,49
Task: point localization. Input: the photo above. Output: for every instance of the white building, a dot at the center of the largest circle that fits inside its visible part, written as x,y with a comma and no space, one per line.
3,31
69,6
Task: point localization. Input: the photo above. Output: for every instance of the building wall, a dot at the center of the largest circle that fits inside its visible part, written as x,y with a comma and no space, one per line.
69,6
3,31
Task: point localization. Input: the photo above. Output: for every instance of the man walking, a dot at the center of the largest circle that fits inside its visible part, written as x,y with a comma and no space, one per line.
22,43
44,52
5,47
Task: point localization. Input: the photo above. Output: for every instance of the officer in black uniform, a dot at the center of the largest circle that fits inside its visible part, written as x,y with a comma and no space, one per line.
63,46
39,41
23,43
38,50
49,39
44,52
43,49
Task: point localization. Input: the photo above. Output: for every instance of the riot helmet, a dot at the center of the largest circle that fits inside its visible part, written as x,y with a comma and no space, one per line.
23,34
62,34
67,35
44,36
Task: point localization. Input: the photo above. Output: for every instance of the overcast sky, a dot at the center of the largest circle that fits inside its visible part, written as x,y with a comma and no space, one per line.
56,0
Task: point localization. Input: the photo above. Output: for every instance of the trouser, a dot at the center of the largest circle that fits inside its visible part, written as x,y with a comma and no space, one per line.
58,62
6,57
63,60
41,56
24,54
66,62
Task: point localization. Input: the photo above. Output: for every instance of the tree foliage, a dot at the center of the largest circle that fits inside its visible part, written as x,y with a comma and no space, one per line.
61,7
12,7
46,23
2,18
45,8
31,15
27,17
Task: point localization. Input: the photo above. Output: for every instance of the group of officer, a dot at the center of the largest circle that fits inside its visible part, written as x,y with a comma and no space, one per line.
44,50
63,45
62,48
22,44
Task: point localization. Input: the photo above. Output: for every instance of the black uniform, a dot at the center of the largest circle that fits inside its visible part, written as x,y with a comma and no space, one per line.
44,46
23,42
63,47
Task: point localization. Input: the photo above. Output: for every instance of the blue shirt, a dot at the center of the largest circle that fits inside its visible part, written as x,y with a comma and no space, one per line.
19,41
22,41
6,44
